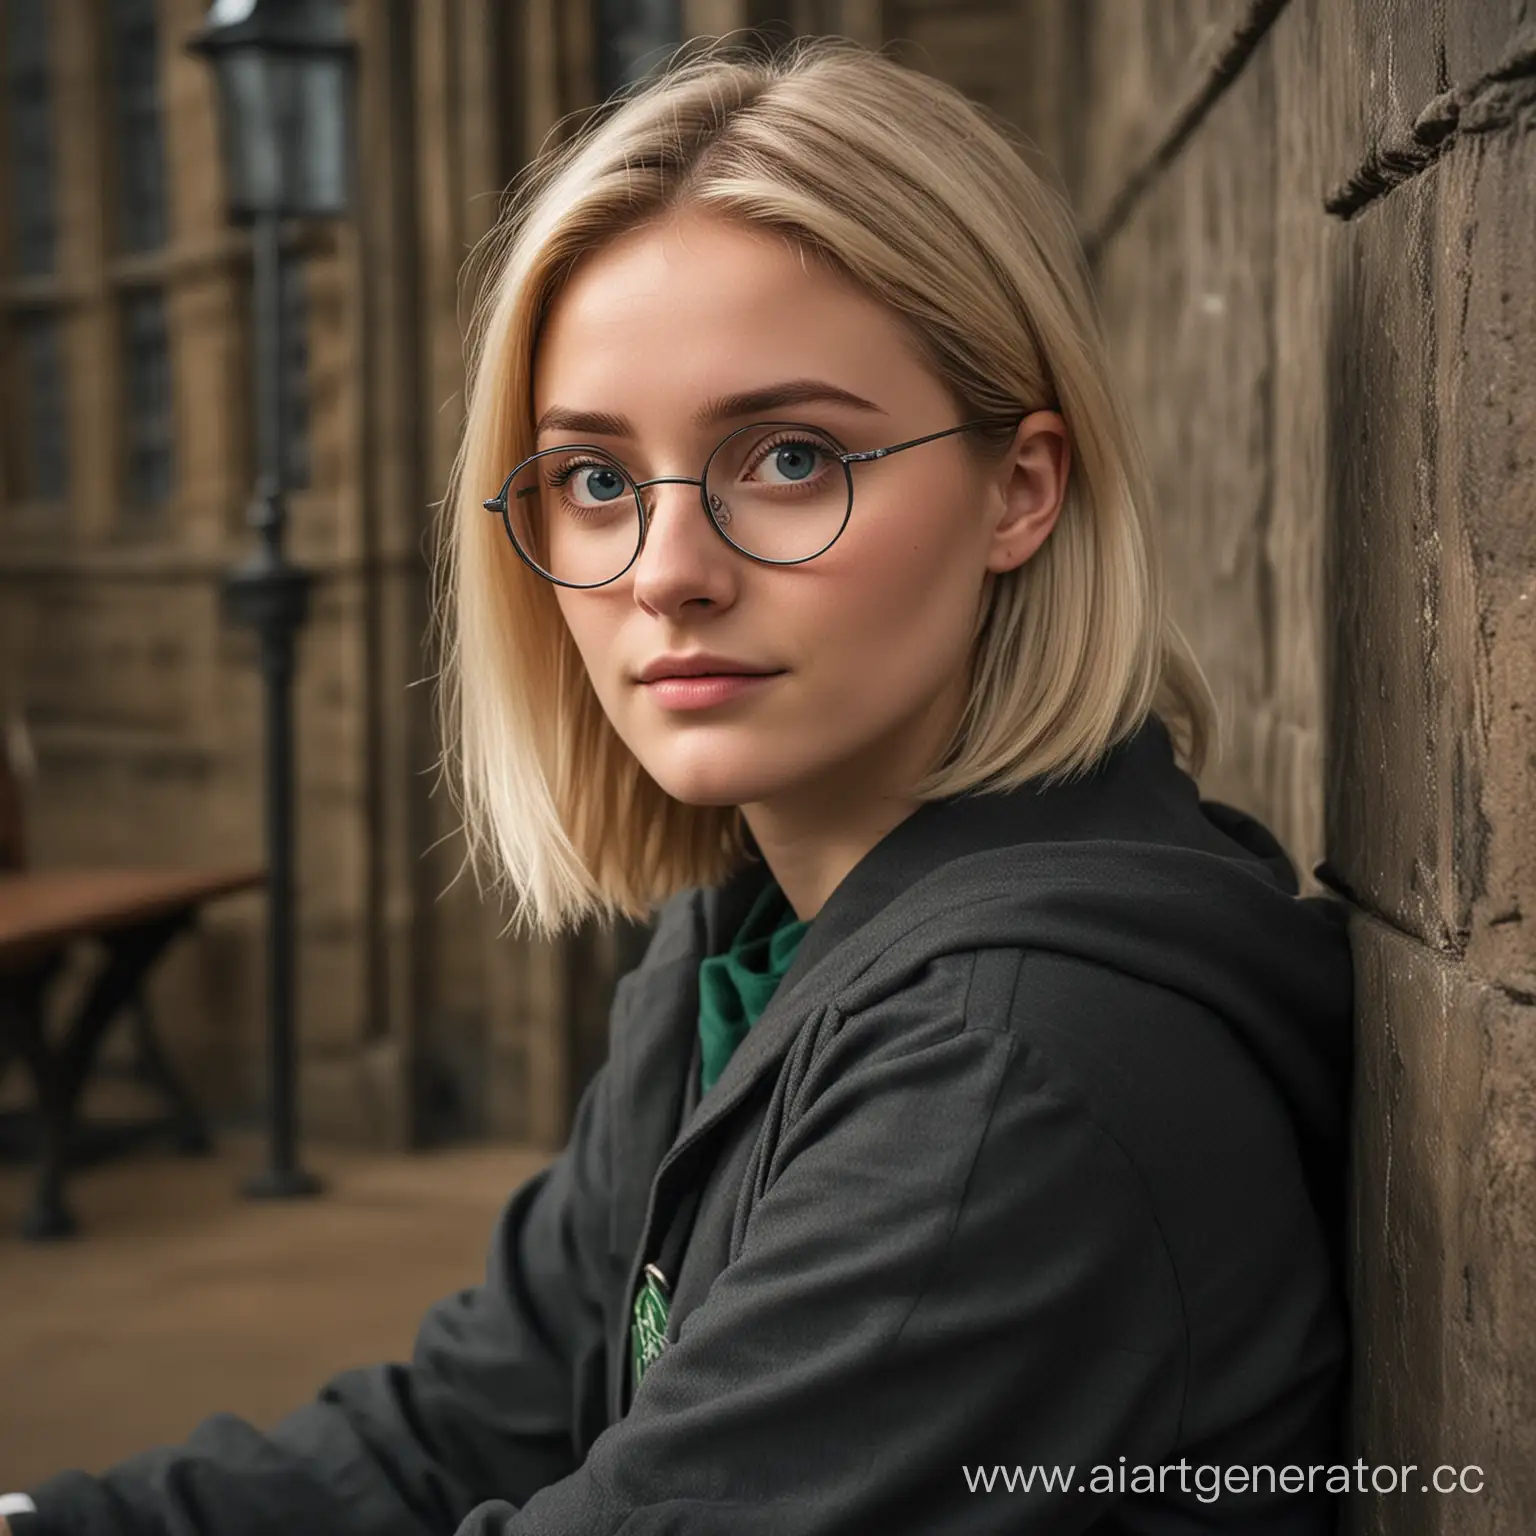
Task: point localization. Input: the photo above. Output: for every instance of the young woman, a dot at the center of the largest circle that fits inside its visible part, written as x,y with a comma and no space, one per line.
969,1154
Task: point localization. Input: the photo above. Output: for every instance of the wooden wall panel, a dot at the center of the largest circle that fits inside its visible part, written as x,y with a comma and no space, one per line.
1188,290
1142,61
973,44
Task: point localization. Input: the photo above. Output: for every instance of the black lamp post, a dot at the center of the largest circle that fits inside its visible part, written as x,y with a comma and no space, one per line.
284,70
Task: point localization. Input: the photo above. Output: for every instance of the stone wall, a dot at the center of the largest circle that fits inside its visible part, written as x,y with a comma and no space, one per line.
1314,228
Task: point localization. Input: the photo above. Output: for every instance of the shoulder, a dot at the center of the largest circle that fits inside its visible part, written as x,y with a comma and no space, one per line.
1105,1114
1164,1073
1094,1033
1169,1093
1159,1078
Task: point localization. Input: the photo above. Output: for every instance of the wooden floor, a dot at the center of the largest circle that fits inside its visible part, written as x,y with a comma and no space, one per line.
180,1298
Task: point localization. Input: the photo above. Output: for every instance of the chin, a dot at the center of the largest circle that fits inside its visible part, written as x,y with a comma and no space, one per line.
710,783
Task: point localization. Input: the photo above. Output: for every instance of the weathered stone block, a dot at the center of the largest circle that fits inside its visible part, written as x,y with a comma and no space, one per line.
1444,1201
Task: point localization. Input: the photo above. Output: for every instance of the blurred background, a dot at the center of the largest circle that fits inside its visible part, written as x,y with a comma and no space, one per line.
1312,227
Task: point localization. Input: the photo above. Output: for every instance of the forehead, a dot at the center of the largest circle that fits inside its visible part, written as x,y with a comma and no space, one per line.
695,305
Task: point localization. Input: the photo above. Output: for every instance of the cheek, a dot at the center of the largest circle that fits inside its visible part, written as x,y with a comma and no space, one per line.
915,562
592,636
907,589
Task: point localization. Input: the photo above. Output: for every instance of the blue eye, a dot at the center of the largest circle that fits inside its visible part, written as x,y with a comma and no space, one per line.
600,481
791,460
795,460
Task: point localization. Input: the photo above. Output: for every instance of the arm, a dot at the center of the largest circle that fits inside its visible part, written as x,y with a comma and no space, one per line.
951,1266
485,1406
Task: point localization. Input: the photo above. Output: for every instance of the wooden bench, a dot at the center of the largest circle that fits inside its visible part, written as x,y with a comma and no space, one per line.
132,915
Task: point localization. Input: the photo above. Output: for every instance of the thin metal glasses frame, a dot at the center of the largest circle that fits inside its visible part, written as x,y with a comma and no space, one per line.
498,502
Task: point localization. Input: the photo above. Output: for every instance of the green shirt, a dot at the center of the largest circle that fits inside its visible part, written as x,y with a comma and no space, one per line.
734,989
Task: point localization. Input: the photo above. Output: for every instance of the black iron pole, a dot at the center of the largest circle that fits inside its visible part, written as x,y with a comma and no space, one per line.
271,595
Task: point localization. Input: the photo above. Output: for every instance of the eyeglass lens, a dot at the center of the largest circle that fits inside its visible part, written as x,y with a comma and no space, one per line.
778,492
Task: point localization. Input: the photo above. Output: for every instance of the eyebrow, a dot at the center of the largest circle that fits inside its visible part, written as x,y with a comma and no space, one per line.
746,402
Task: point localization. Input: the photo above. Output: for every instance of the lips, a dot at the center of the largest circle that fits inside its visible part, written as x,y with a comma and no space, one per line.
704,691
685,677
700,665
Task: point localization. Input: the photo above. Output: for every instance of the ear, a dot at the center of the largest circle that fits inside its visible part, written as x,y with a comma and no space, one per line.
1031,483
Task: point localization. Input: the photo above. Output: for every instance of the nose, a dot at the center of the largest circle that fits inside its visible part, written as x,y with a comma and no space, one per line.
683,556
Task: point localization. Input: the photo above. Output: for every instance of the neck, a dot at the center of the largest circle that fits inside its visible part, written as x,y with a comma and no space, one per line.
812,836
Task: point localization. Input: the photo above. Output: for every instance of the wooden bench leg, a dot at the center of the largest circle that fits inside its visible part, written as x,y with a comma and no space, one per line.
49,1215
59,1072
192,1135
131,954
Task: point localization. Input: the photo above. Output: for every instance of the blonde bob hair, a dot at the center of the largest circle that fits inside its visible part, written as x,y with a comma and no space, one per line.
926,201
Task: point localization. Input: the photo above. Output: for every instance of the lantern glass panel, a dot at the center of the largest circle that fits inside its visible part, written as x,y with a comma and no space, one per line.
320,88
251,153
285,132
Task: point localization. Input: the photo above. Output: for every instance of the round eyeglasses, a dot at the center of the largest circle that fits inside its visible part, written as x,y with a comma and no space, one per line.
780,492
